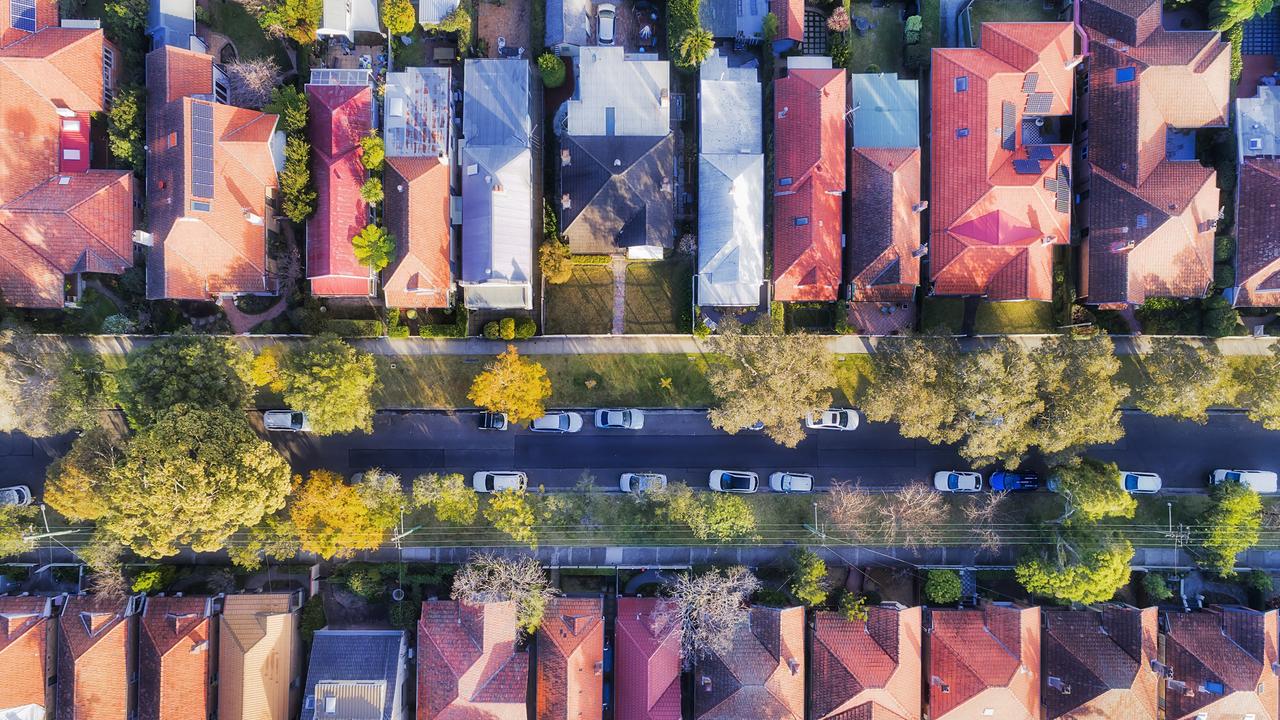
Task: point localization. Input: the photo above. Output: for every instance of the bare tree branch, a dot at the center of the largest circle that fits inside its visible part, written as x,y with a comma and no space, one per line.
707,609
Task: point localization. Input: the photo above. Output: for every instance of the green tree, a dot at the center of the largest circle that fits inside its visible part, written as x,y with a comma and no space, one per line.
1185,380
457,21
72,481
16,524
122,19
1156,587
372,152
400,16
1093,491
556,261
809,580
1078,381
1000,401
126,130
371,191
1261,383
291,105
297,20
853,607
911,31
198,370
551,67
769,28
332,382
729,517
46,390
1095,577
912,383
695,46
335,519
297,194
448,496
1228,14
512,385
375,248
1232,525
942,587
510,511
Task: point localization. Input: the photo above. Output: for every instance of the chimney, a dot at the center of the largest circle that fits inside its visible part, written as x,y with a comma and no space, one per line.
251,217
1047,239
1074,61
564,157
664,97
565,201
706,683
399,187
920,251
794,665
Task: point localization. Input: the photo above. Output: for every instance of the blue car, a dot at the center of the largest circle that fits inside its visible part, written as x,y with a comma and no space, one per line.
1009,481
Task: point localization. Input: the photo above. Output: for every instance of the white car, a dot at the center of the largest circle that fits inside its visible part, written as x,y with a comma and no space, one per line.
789,482
606,13
1140,483
619,419
957,481
488,481
16,495
557,422
832,419
734,481
1260,481
286,421
642,482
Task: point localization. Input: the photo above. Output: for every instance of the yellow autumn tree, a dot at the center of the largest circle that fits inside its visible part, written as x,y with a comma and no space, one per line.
333,518
512,385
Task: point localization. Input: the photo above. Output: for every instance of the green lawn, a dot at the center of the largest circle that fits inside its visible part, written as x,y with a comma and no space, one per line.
231,19
1014,317
1007,11
942,312
880,46
659,296
582,306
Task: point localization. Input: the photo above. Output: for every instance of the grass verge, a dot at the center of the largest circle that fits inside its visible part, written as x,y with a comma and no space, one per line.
658,296
582,306
1010,318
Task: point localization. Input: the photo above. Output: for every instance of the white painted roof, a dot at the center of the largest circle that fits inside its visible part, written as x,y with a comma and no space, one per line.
634,90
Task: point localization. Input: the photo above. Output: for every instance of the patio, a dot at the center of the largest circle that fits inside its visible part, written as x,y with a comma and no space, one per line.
340,54
874,318
503,27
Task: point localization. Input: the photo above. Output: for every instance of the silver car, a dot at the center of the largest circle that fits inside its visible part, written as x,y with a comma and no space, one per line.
789,482
619,419
957,481
606,15
832,419
557,422
286,421
734,481
1140,483
642,482
488,481
16,495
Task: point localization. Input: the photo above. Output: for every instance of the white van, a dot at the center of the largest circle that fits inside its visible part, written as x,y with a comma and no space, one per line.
1260,481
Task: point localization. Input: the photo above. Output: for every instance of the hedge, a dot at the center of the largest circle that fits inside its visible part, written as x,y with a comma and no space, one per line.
592,259
356,328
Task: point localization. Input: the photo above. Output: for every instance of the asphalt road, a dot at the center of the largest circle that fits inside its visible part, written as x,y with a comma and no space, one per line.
683,445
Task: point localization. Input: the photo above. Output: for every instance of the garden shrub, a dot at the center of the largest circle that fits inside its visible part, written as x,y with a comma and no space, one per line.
526,328
355,328
1224,248
942,587
507,328
366,582
491,330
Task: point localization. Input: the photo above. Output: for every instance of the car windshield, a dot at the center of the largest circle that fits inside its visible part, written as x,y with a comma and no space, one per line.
1130,482
296,418
1234,476
735,482
490,482
953,481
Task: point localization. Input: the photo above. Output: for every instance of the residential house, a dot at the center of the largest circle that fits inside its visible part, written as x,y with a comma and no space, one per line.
1152,209
571,660
617,156
809,180
1259,54
173,22
647,676
866,668
882,263
498,202
418,135
1257,273
259,657
743,21
211,183
356,674
345,18
571,24
1097,663
26,653
762,673
1001,159
730,186
468,662
432,12
59,217
341,103
1220,662
984,662
175,659
95,658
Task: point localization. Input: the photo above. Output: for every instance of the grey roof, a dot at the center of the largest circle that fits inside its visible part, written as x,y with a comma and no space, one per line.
171,22
730,119
620,192
887,111
416,117
620,94
347,17
1258,123
568,22
495,105
433,11
349,663
730,229
729,18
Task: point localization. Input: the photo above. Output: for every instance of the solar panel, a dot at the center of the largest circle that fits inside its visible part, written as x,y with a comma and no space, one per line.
1026,167
202,149
23,14
1008,119
1039,103
1063,200
1029,82
1039,152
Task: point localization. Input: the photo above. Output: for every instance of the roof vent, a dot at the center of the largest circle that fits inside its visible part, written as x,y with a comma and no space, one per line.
564,157
783,112
64,180
1047,240
399,187
617,162
599,667
935,680
664,97
794,665
706,683
920,251
920,206
1057,684
565,201
252,218
472,169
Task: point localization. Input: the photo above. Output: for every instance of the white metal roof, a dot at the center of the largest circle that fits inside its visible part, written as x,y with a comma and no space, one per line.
620,94
730,108
730,229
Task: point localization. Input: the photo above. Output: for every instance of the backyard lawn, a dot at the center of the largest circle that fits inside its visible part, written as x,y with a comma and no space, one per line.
942,313
231,19
658,296
880,46
582,306
1007,11
1014,317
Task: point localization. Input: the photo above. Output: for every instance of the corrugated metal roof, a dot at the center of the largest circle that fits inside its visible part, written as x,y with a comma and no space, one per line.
495,105
887,110
569,22
634,90
1259,123
730,229
730,108
433,11
258,644
416,117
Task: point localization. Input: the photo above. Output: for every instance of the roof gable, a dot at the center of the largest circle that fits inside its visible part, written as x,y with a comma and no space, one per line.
872,664
1258,231
1232,646
95,636
1100,661
570,657
620,192
417,213
175,665
648,672
469,663
983,658
762,675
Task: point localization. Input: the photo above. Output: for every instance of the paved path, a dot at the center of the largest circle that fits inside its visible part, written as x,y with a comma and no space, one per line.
619,267
242,322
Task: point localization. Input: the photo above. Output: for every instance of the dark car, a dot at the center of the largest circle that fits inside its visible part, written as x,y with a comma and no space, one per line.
493,421
1009,481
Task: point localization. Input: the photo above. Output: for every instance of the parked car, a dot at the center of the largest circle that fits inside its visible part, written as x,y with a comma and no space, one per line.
832,419
1262,481
789,482
957,481
734,481
16,495
619,419
1011,481
493,421
487,481
642,482
286,421
605,16
1140,483
557,422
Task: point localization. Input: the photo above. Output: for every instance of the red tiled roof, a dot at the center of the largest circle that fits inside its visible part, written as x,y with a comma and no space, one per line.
24,650
883,192
201,253
340,116
790,14
761,676
1258,233
983,659
1097,664
809,131
418,216
94,659
570,660
648,665
174,662
468,665
1225,656
870,667
989,222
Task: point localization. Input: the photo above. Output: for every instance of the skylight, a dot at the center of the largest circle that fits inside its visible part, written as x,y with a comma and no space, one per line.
1126,74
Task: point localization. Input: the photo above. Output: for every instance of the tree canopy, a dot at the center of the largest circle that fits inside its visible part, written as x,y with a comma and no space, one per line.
297,194
1261,384
47,391
16,523
449,497
197,370
1096,577
400,16
1185,380
126,132
291,105
512,385
1232,525
809,581
294,19
493,578
374,247
1093,491
707,608
330,381
372,151
718,516
510,511
695,46
335,519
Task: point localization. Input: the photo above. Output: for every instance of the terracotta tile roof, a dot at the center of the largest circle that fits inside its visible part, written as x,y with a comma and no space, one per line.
200,253
993,226
95,641
761,676
1097,663
986,658
866,669
340,116
1223,661
790,14
570,660
418,216
259,657
810,137
884,188
647,675
174,659
24,651
1258,233
468,664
